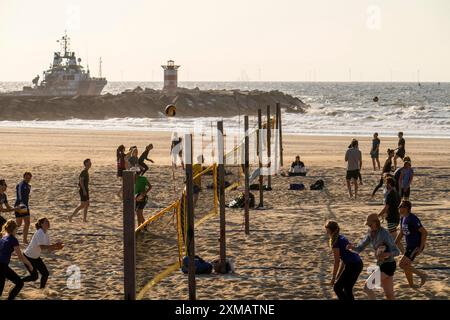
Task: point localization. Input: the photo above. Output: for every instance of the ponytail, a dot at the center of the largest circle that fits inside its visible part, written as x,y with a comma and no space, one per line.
39,223
334,228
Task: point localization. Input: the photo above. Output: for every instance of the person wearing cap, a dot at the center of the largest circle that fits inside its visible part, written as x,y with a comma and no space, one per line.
401,151
353,157
416,237
405,179
385,251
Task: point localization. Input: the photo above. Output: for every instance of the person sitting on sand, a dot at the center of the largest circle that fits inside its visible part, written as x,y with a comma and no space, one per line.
353,157
405,179
385,251
390,209
297,168
40,241
22,208
401,151
9,245
416,237
347,265
4,205
143,157
141,189
374,152
83,184
386,170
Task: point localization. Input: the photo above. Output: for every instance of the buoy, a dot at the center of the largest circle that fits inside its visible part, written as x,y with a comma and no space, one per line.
171,110
375,99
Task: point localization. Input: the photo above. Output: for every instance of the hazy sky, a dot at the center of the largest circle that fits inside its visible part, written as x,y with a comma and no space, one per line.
291,40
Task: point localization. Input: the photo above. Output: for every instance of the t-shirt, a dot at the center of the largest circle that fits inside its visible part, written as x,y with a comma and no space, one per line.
393,200
353,156
144,156
407,174
85,175
23,190
387,165
346,255
410,227
39,238
297,163
196,169
375,144
7,244
401,143
141,185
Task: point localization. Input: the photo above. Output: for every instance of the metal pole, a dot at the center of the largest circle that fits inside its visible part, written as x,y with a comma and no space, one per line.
221,173
269,160
247,182
280,132
277,140
129,239
190,237
261,193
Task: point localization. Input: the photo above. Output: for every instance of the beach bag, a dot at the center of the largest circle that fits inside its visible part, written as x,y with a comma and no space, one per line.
296,186
318,185
201,266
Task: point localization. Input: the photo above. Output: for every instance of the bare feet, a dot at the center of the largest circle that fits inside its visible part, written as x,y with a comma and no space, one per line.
423,279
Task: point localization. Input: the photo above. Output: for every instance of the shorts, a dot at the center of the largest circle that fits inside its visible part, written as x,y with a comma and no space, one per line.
411,253
140,205
374,155
84,198
22,215
388,268
405,192
197,189
400,153
352,174
392,225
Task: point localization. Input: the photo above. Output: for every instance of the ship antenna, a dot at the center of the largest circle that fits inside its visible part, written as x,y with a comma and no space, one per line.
100,67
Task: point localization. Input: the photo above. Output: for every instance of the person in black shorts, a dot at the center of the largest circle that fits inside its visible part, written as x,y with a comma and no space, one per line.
83,183
390,209
4,205
374,152
143,157
386,170
416,237
401,151
353,157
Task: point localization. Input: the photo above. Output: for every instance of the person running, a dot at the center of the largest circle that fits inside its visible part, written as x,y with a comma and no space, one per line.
40,241
121,165
374,152
386,170
353,157
405,180
401,151
385,251
4,205
83,184
22,209
347,265
416,237
141,189
143,157
8,245
390,209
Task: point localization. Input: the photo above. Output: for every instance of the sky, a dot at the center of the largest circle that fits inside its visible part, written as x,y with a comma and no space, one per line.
232,40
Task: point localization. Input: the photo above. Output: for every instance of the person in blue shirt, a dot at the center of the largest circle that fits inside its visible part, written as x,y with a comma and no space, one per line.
9,245
347,265
416,237
21,205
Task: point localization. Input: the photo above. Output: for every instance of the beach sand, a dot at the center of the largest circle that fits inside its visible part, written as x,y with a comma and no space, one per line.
284,257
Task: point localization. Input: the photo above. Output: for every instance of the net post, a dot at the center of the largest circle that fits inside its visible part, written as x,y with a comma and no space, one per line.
280,134
269,164
216,190
190,237
277,141
129,237
261,193
221,173
247,182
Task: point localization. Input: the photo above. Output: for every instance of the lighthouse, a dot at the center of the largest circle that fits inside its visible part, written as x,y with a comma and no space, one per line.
170,76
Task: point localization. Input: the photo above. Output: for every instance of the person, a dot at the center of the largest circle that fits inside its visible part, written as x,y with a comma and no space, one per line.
416,237
390,209
385,251
197,181
40,241
176,150
353,157
4,205
83,184
141,189
121,165
297,168
347,265
401,151
386,170
8,245
374,152
22,209
405,180
143,157
133,160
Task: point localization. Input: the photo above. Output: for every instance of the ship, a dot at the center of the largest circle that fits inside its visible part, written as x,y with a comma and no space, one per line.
65,77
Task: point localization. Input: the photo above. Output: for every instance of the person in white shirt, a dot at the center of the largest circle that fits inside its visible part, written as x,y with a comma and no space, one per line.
39,242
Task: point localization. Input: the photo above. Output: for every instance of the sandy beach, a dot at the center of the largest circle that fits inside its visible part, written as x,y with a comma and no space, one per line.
284,257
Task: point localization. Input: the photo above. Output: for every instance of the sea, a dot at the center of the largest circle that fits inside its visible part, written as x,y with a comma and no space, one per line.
336,109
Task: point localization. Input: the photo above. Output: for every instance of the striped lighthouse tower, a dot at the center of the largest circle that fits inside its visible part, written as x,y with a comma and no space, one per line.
170,76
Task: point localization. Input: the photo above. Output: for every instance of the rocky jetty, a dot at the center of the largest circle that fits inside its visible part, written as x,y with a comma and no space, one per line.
147,103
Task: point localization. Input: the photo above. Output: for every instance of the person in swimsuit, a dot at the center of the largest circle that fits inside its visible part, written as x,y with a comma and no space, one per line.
374,152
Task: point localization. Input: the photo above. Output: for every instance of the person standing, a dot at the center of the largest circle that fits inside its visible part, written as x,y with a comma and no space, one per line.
121,165
347,265
22,209
141,189
390,209
401,151
353,157
374,152
416,237
386,170
83,184
4,205
8,245
40,241
143,157
405,180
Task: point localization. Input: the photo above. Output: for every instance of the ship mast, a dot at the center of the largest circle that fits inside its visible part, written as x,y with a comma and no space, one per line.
65,42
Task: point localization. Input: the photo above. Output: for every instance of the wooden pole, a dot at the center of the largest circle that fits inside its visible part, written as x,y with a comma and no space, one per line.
277,140
247,182
190,237
129,239
280,132
269,160
261,181
221,174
